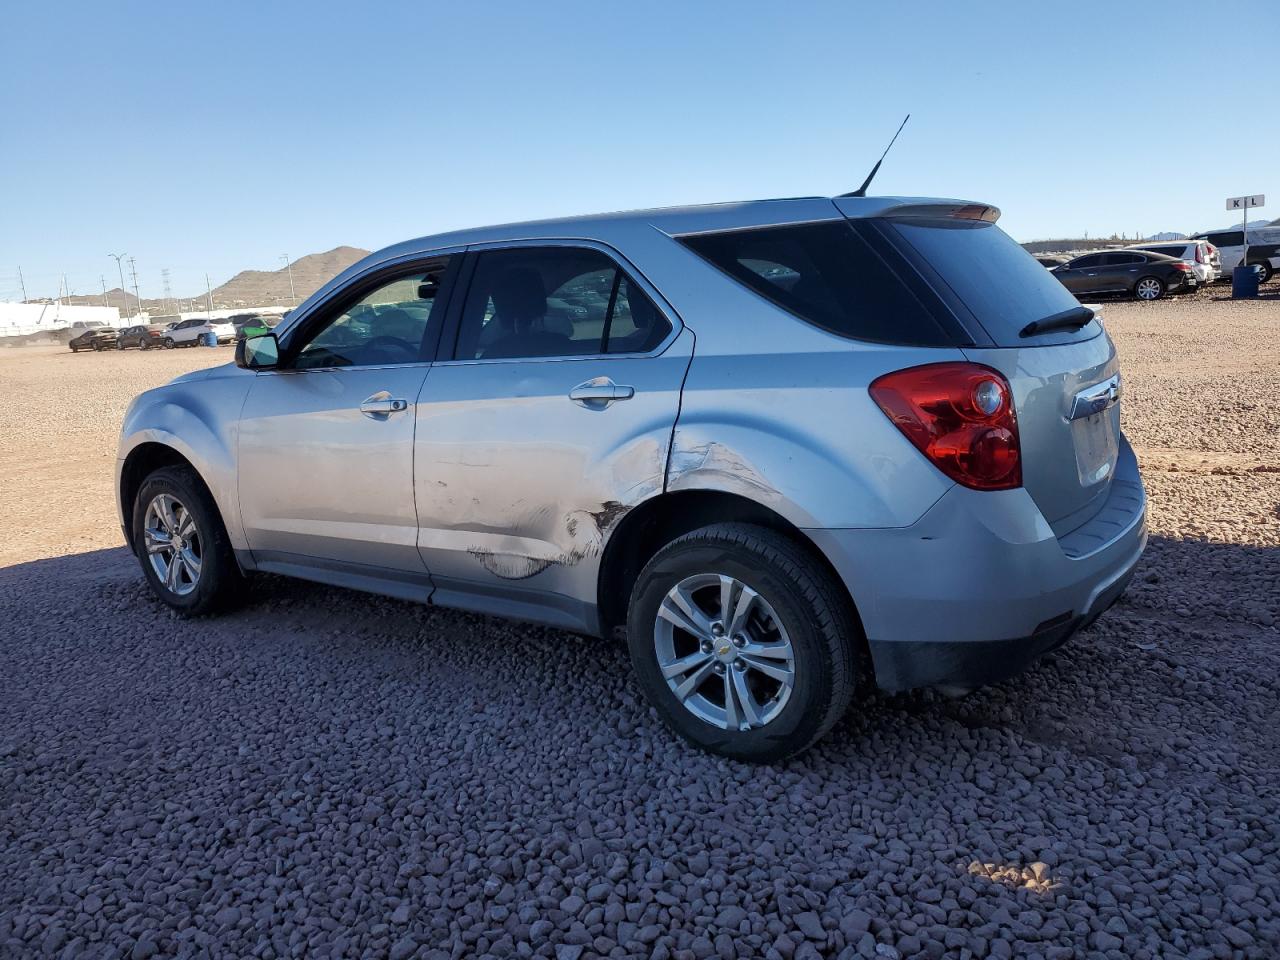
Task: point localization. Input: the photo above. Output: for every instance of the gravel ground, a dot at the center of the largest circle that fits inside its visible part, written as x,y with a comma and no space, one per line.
325,773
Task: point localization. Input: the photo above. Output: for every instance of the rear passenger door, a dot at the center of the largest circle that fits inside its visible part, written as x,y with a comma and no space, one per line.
548,413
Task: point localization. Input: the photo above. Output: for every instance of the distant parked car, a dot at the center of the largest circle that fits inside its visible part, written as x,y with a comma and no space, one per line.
1201,254
73,330
93,336
144,336
1051,260
1264,249
189,333
1142,275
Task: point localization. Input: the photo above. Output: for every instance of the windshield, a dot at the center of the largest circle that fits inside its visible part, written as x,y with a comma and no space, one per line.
1000,283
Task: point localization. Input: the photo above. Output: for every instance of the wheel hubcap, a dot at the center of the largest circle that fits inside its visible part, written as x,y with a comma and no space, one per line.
724,652
1148,289
172,543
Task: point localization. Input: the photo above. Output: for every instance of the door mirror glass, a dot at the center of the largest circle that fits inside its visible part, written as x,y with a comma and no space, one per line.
258,353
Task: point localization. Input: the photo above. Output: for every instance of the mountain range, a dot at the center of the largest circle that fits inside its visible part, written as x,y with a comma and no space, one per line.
248,288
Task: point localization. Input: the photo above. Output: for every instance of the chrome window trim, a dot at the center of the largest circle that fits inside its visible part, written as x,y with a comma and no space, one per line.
632,272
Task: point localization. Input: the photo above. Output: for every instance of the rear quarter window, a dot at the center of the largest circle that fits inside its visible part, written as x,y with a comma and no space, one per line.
992,277
828,275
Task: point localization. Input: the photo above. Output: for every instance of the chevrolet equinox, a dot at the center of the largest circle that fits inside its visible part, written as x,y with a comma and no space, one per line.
788,447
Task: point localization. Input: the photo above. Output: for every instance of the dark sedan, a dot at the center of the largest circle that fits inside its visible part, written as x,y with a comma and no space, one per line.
1142,275
144,337
95,338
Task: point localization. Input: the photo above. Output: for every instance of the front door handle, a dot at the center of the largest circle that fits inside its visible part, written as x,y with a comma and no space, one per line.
598,393
382,404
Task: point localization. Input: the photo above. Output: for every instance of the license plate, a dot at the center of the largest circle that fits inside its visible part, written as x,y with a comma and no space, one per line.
1097,446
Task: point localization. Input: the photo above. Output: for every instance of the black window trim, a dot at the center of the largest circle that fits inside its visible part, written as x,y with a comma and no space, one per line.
453,319
339,299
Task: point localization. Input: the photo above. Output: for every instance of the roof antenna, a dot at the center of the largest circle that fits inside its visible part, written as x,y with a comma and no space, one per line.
862,190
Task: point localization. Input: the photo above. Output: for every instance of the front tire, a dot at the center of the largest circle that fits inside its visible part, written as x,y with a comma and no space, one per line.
182,544
168,343
1148,289
742,641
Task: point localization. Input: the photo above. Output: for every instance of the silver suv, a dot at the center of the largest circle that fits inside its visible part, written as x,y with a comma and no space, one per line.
789,447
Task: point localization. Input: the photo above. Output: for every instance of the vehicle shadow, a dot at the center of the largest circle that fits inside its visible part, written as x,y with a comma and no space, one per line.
1192,606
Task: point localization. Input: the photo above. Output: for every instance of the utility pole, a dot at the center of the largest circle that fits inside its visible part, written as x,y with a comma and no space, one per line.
293,296
133,269
105,301
22,283
124,293
168,293
208,292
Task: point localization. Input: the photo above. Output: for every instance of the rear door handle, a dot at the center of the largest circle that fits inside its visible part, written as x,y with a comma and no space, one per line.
382,404
599,393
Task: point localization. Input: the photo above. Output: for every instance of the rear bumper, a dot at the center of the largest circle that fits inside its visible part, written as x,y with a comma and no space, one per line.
979,586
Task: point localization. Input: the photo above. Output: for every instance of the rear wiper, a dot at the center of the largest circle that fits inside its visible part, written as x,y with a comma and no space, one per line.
1072,319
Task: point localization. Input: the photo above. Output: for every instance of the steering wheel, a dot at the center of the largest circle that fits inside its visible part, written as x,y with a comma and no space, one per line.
400,351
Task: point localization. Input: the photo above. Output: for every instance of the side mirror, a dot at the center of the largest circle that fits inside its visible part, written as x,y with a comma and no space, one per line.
258,353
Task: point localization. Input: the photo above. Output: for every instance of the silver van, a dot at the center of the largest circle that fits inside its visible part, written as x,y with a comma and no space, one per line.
789,448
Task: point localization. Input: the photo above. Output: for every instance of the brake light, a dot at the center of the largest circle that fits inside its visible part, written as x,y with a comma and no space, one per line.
1199,254
961,417
1183,266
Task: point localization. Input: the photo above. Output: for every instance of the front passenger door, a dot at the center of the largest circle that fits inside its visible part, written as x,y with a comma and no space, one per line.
326,440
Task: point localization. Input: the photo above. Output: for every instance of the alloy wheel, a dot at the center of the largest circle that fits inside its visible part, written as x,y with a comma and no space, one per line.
724,652
1148,288
172,542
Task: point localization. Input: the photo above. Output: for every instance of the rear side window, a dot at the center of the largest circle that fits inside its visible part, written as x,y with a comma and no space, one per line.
827,275
1235,239
992,276
530,302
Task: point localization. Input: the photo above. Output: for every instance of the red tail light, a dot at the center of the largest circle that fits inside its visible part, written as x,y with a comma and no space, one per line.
960,416
1183,266
1199,254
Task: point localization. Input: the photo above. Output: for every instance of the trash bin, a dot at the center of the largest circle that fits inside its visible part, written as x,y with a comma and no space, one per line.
210,339
1244,282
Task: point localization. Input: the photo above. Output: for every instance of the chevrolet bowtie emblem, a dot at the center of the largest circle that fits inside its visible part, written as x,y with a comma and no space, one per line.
723,650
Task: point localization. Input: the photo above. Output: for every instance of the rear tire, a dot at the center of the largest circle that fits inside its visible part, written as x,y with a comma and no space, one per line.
173,505
763,688
74,348
168,343
1264,271
1148,289
97,345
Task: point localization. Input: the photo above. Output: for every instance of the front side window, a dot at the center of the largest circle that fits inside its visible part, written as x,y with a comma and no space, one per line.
530,302
385,326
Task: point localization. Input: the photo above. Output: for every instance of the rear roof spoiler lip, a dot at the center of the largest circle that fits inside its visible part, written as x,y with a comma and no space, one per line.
909,207
933,211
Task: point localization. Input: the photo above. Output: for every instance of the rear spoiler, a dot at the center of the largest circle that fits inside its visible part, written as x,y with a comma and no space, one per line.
945,211
921,209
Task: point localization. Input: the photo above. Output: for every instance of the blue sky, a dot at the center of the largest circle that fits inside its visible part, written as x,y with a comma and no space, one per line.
216,137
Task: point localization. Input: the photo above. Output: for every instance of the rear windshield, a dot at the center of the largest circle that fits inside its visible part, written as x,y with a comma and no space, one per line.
1183,252
992,276
830,276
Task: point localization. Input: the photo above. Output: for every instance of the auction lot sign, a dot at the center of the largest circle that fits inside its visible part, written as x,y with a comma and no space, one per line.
1244,205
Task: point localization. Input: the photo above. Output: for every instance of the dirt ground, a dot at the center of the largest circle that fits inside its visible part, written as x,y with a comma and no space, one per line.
328,774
